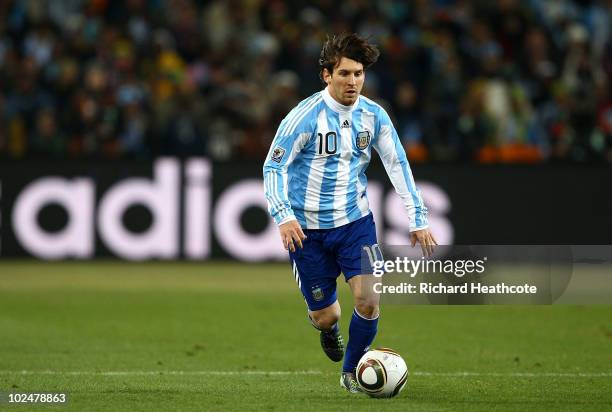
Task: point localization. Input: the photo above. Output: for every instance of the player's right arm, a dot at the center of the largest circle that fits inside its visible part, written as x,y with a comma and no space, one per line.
283,150
291,234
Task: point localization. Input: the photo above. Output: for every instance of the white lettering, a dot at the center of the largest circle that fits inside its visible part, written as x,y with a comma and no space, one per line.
161,196
196,235
230,234
76,238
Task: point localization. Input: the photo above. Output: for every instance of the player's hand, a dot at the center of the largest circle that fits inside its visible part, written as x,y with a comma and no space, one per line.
425,239
291,232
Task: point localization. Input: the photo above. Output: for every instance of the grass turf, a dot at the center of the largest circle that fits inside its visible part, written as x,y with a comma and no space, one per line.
176,330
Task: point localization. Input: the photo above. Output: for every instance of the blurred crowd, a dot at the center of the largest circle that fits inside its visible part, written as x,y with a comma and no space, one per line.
464,81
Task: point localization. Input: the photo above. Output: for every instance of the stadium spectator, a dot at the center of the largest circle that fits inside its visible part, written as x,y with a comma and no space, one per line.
505,81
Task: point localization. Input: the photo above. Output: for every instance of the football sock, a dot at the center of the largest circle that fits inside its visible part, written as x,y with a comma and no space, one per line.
361,334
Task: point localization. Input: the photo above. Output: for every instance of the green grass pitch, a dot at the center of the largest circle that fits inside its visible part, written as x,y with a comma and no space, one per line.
228,336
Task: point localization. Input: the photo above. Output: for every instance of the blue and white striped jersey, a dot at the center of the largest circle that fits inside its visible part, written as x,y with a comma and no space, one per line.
315,169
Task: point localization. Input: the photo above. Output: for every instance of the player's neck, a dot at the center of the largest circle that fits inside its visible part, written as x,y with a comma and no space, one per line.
335,104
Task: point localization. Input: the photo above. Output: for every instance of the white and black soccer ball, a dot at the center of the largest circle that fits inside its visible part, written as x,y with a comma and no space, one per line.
381,373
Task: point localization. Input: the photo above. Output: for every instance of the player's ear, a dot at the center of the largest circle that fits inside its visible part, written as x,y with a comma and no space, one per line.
326,76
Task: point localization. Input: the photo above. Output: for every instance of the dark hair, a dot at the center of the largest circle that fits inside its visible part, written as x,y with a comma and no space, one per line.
349,45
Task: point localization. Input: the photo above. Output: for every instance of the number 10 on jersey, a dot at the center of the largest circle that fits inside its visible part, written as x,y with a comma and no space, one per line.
328,144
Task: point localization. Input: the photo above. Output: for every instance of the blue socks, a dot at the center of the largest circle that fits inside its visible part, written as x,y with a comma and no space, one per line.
361,335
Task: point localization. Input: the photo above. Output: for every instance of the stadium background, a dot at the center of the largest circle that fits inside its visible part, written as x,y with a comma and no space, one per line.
169,107
100,89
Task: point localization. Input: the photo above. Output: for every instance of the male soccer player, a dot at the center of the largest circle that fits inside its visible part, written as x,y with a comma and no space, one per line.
315,185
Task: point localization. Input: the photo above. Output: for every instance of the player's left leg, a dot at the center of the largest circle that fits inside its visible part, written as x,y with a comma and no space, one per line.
364,321
362,328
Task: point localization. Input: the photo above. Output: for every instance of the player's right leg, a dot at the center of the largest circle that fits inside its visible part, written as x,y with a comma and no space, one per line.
326,320
315,272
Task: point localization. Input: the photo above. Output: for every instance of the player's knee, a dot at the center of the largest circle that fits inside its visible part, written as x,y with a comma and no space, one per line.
327,323
325,319
367,308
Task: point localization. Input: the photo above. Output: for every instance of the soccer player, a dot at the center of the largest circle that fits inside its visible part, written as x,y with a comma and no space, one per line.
315,185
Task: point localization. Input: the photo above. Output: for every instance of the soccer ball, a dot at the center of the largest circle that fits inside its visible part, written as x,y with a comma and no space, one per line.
382,373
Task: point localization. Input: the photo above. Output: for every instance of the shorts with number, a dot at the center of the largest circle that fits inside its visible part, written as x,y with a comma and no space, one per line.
326,253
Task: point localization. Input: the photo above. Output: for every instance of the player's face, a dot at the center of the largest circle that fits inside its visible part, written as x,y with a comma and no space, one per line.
346,81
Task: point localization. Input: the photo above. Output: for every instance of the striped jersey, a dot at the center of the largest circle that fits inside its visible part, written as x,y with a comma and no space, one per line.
315,169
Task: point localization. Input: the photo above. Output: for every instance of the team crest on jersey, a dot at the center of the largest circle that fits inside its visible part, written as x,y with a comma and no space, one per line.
277,154
317,294
363,139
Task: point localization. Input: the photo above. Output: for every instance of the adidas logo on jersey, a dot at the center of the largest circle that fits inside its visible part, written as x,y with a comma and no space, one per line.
346,124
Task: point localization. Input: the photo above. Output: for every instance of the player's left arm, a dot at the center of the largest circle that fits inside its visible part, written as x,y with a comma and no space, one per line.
386,142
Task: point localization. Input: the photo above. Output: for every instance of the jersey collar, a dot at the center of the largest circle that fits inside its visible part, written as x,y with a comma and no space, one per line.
338,107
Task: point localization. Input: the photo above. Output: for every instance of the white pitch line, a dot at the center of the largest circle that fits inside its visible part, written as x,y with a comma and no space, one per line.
285,373
160,372
517,374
